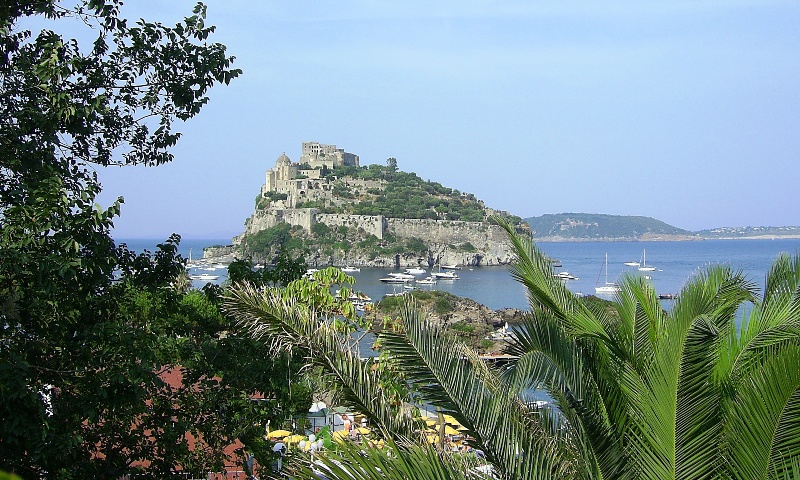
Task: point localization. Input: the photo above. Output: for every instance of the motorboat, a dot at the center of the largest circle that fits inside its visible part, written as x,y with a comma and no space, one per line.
359,297
350,269
204,277
444,275
395,280
609,287
632,264
450,267
404,276
415,271
427,281
565,276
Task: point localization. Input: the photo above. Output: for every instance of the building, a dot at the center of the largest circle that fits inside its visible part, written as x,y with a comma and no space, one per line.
318,155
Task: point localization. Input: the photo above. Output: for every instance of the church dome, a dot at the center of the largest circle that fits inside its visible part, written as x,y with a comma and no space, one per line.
283,160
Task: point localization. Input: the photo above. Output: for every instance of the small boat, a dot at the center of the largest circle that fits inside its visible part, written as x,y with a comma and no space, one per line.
444,275
450,267
350,269
415,271
632,264
427,281
395,280
404,276
667,296
204,277
359,297
395,294
609,287
644,267
565,276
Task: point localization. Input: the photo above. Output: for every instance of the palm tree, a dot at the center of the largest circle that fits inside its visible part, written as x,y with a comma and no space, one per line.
638,393
688,393
434,368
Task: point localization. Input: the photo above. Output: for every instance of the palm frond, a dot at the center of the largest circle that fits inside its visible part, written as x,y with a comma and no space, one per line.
451,376
285,324
399,460
762,419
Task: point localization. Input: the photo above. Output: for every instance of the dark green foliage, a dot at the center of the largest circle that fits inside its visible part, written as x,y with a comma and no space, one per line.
91,331
281,236
287,268
587,225
405,196
467,247
416,245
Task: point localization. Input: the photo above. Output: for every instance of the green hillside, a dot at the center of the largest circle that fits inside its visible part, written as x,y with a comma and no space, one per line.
588,226
403,195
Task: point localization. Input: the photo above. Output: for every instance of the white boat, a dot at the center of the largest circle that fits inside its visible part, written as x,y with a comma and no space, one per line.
427,281
444,275
204,277
565,276
359,297
632,264
609,287
404,276
450,267
395,280
415,271
395,294
350,269
644,267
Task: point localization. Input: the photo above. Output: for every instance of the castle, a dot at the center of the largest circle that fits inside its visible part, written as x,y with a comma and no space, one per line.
288,187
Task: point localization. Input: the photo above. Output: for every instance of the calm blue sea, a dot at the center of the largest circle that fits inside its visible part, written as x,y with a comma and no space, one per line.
675,262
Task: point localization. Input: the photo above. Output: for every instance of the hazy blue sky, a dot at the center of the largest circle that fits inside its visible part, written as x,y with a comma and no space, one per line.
686,111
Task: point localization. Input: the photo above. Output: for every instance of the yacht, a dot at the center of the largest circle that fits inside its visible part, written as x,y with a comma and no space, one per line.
427,281
415,271
609,287
444,275
204,277
404,276
644,267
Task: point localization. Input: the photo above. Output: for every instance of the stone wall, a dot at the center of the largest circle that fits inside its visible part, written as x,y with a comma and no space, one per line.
374,224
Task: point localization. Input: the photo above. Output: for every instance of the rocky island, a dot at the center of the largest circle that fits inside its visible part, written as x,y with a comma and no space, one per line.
340,213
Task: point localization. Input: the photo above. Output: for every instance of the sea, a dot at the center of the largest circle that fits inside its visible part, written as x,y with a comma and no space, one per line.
674,262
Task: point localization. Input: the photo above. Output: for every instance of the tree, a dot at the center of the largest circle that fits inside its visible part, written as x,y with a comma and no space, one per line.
636,392
90,331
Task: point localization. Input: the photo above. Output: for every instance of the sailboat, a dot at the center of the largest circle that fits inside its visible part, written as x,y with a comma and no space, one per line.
644,267
608,287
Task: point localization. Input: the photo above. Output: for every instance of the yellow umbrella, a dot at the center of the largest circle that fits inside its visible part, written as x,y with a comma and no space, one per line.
278,433
433,438
339,435
293,438
363,430
448,430
451,420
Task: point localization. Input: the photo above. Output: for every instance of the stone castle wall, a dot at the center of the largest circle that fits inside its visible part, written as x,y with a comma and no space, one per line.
374,224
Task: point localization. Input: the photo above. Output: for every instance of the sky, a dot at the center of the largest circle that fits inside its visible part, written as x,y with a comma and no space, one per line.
685,111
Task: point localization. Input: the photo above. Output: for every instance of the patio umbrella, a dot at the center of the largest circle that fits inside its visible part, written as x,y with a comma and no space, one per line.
293,438
363,430
278,433
448,430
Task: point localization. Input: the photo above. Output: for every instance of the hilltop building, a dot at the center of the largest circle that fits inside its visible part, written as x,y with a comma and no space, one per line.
318,155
